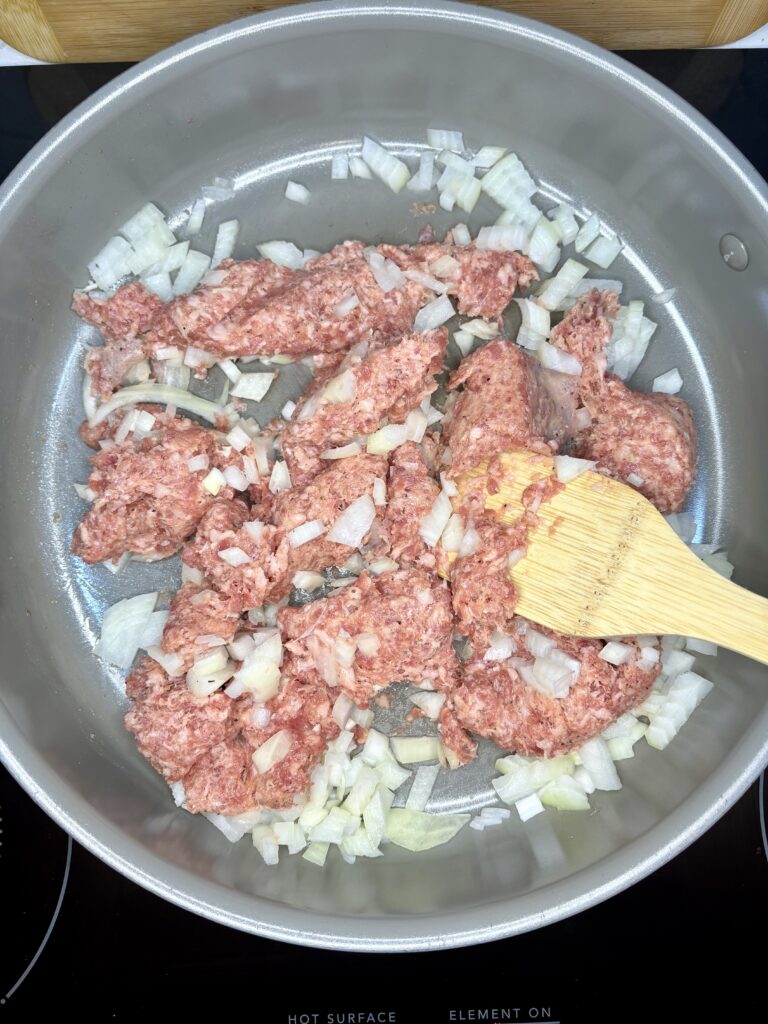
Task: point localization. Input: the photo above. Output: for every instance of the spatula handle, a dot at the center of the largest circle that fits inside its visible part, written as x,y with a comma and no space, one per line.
725,613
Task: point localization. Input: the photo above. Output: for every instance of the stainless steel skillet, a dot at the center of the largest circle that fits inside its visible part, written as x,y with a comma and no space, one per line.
270,98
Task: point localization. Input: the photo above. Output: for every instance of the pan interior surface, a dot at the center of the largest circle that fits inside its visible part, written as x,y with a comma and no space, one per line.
272,99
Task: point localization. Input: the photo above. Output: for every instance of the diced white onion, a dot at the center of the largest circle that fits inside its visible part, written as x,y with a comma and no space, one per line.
616,653
535,319
253,386
634,480
415,426
214,482
426,280
284,254
123,628
354,522
567,468
386,273
272,751
393,172
236,479
502,237
422,786
470,542
487,156
226,237
465,190
346,305
195,220
507,182
461,235
603,251
234,556
344,452
668,383
444,138
280,478
379,492
555,359
306,532
464,341
436,520
359,167
588,232
453,534
434,314
413,749
160,285
386,439
597,760
700,646
339,166
501,648
430,703
561,285
191,271
297,193
544,242
381,565
563,216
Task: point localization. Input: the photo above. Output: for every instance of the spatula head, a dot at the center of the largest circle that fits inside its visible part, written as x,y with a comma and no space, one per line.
594,554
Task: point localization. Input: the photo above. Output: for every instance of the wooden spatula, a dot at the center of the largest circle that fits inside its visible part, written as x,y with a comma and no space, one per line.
603,562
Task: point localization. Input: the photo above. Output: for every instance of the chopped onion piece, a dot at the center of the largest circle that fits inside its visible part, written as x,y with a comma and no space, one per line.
535,319
354,522
379,491
436,520
346,305
464,341
297,193
487,156
214,482
272,751
563,216
561,285
413,749
253,386
465,190
668,383
236,479
359,167
381,565
565,794
191,271
111,263
386,273
307,580
425,279
545,241
84,492
447,200
529,806
434,314
123,628
597,760
588,232
195,219
306,532
616,653
191,575
170,663
284,254
444,138
470,542
555,359
508,181
226,237
634,480
567,468
339,166
502,237
415,426
453,534
345,452
430,703
422,786
418,831
461,235
234,556
160,285
386,439
393,172
501,648
603,251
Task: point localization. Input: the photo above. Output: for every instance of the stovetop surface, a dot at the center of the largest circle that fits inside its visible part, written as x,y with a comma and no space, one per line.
685,944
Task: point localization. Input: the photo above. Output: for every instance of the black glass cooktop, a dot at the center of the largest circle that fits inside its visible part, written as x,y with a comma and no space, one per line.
686,944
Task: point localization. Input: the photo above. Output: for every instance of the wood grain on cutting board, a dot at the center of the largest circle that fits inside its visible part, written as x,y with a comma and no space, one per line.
127,30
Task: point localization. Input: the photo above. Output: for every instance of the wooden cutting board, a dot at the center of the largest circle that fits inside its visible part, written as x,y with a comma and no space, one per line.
129,30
